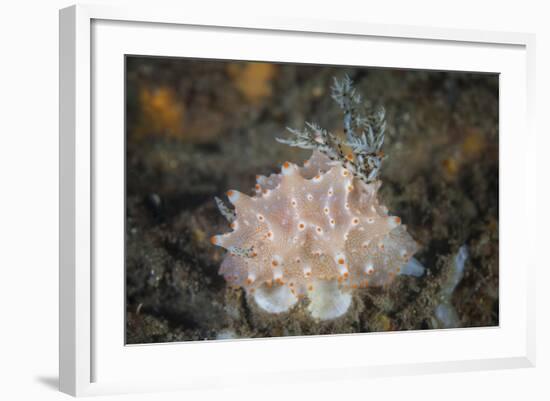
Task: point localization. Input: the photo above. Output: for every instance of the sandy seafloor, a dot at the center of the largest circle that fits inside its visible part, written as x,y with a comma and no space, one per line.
196,129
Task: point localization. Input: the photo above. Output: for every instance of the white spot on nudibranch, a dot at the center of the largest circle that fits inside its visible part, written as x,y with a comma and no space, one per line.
215,240
343,270
369,268
287,168
394,221
276,261
251,278
340,259
233,196
278,275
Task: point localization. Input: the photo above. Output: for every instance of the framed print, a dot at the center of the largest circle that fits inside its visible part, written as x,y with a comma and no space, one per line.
237,191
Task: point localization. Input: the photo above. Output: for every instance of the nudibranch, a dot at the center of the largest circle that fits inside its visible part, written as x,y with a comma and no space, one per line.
316,233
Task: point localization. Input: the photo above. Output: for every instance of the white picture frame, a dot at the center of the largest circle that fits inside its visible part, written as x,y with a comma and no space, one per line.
93,357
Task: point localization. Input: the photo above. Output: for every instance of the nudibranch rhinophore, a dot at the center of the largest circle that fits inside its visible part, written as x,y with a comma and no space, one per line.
315,232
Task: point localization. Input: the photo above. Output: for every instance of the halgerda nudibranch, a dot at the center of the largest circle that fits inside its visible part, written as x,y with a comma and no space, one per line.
318,231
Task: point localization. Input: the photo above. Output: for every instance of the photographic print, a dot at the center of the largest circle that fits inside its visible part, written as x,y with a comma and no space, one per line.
276,199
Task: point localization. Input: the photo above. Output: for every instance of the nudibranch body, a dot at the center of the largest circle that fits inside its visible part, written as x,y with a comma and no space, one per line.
316,232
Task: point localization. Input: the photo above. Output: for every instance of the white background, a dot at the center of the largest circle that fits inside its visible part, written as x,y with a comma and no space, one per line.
28,200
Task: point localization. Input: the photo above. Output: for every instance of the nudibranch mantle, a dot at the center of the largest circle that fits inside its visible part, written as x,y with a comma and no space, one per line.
314,232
